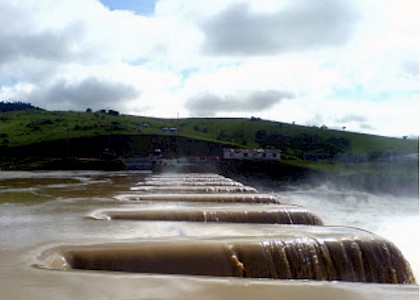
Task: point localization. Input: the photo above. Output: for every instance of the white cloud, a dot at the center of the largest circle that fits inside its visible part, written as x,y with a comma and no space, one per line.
89,92
207,104
298,26
351,118
349,61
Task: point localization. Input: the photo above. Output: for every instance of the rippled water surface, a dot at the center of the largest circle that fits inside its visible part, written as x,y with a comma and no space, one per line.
41,210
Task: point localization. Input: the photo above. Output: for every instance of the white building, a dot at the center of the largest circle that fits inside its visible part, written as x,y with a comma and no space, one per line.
265,154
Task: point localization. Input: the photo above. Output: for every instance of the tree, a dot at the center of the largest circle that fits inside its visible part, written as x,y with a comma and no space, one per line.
113,112
16,106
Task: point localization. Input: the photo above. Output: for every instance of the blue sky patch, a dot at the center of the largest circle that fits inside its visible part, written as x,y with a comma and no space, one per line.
140,7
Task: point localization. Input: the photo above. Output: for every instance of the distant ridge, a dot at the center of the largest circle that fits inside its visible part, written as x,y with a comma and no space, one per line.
16,106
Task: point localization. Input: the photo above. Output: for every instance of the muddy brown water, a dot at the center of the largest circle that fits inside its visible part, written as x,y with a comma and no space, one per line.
259,214
41,211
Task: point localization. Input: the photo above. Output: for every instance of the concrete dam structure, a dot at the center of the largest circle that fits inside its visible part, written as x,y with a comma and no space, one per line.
279,242
95,235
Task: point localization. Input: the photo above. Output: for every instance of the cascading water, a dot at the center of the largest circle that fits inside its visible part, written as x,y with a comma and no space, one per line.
341,258
285,214
194,189
364,259
189,183
142,246
216,197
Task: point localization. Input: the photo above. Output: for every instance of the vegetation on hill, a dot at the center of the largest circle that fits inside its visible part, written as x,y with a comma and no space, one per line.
16,106
28,136
25,127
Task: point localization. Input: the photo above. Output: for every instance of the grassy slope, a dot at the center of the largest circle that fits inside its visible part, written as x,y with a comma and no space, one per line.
27,127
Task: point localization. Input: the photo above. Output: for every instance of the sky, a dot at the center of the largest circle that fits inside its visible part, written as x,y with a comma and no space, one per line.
348,65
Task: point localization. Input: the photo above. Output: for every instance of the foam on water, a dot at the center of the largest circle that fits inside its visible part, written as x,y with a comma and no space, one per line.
393,217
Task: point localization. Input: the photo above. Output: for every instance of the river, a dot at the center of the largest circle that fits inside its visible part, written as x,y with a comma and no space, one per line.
43,210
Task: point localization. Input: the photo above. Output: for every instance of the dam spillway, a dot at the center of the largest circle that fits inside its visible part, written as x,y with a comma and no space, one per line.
262,214
360,259
305,251
195,189
198,198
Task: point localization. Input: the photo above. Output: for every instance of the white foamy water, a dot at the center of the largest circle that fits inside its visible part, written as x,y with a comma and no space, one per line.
395,218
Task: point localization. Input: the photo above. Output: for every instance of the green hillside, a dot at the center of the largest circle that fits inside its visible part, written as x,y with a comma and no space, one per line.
20,128
38,139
